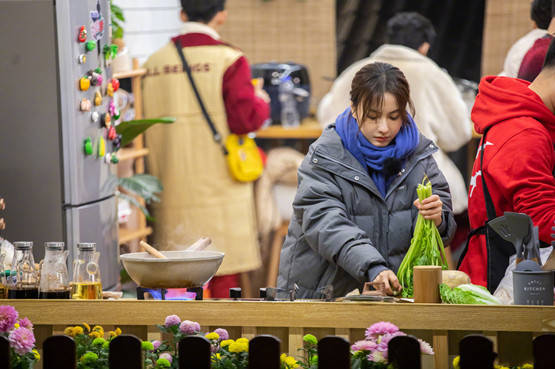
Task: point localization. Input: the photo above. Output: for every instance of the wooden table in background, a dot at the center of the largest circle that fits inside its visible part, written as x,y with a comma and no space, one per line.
308,129
510,327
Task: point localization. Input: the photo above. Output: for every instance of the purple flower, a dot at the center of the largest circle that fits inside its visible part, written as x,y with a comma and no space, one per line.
172,320
380,328
364,346
8,317
425,347
224,335
25,323
156,344
167,356
389,336
22,340
189,327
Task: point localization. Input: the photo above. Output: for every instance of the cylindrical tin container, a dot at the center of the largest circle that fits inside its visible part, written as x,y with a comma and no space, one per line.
533,287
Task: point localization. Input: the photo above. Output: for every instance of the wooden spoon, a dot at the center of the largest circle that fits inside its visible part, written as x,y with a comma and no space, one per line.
152,251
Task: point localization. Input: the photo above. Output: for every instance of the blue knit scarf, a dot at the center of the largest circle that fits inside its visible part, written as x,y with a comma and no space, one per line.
372,157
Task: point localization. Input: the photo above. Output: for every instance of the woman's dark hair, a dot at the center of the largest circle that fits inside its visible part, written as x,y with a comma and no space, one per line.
549,61
202,10
410,29
373,81
540,12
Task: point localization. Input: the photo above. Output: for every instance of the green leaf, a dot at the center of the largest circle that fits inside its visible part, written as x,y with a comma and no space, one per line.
143,185
131,129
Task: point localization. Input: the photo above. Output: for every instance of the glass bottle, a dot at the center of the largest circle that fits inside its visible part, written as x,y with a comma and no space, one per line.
54,281
86,284
23,279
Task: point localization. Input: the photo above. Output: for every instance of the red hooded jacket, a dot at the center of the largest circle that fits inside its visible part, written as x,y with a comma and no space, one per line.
518,162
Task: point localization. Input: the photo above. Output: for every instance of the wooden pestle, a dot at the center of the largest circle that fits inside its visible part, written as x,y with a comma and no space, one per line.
152,251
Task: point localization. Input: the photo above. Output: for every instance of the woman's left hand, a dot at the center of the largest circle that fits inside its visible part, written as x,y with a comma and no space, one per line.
431,208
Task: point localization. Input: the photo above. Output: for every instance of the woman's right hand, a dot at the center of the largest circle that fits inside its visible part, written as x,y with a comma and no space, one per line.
389,279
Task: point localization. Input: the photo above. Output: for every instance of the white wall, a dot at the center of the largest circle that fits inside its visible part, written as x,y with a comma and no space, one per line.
149,24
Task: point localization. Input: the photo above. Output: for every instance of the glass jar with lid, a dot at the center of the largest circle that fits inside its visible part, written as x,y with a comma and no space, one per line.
54,280
23,280
86,282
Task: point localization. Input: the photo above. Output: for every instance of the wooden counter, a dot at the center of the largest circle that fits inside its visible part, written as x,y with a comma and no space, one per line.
289,321
309,129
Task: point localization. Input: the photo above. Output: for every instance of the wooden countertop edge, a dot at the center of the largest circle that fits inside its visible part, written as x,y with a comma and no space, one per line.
291,314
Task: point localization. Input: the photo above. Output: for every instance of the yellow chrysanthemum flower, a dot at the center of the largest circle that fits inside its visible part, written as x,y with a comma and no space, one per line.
291,362
243,340
282,357
36,353
98,328
216,356
95,334
528,366
118,331
16,325
77,330
456,362
68,331
212,336
87,326
226,343
238,347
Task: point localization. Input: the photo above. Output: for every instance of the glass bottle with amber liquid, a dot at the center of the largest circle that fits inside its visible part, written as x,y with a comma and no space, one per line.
86,283
54,280
24,277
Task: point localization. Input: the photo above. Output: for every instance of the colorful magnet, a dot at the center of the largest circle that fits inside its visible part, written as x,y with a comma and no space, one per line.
115,84
85,105
109,89
117,142
98,70
110,51
112,135
82,36
95,116
114,159
107,121
107,158
112,107
82,59
84,84
116,114
88,146
101,147
90,45
97,98
96,78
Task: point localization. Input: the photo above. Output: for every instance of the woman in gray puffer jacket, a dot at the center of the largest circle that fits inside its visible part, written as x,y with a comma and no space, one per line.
355,208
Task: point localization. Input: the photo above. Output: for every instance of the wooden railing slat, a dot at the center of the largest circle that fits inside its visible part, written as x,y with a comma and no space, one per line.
194,353
334,353
125,352
543,347
476,352
264,351
58,352
404,352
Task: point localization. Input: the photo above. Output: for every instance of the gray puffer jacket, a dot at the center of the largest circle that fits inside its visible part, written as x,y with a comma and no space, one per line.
343,232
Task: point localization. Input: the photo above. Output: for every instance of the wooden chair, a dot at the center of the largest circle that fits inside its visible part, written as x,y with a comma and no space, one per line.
194,353
476,352
334,353
404,352
125,352
58,352
275,250
264,351
543,347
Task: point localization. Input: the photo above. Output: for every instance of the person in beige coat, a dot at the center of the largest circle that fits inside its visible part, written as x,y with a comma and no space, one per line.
441,113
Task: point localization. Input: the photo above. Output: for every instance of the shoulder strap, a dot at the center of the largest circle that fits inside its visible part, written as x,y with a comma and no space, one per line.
490,207
215,134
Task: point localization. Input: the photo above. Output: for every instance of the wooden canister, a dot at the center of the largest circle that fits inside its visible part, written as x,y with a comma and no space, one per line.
427,279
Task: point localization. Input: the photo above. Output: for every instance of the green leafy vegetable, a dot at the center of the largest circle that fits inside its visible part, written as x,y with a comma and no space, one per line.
467,294
426,246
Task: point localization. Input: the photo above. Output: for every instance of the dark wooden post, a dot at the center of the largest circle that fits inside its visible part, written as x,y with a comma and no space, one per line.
58,352
4,352
334,353
404,352
264,352
476,352
125,352
543,348
194,353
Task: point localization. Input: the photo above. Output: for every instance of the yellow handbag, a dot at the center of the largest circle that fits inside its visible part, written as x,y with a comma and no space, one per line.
243,158
242,155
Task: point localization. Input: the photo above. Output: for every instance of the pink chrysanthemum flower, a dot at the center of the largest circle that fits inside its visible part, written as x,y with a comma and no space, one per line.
380,328
25,323
167,356
8,318
425,347
224,335
172,320
389,336
22,340
189,327
156,344
376,357
364,346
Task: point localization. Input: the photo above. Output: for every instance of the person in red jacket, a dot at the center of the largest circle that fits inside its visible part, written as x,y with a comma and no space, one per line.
518,158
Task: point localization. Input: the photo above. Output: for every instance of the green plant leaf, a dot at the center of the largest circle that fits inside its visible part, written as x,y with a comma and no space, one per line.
117,32
131,129
143,185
